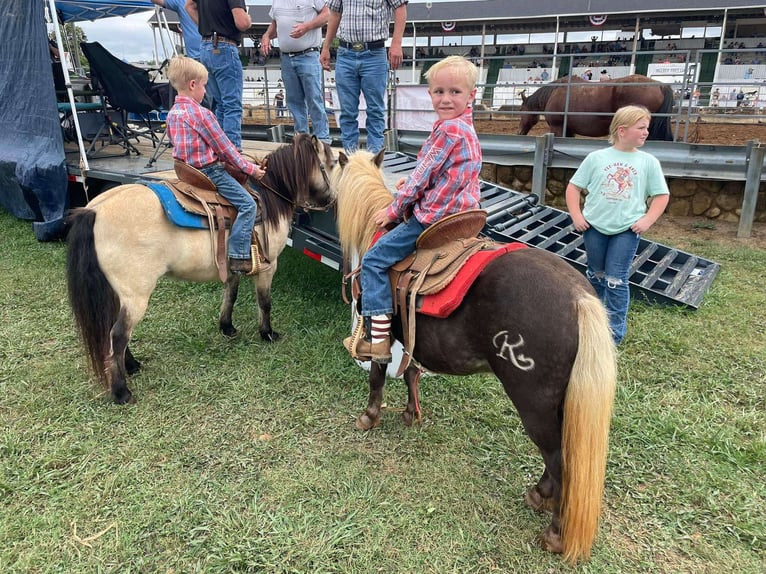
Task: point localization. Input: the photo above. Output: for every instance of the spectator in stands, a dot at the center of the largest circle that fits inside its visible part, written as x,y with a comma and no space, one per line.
714,98
189,31
544,75
748,73
740,97
298,27
361,66
619,180
587,74
604,76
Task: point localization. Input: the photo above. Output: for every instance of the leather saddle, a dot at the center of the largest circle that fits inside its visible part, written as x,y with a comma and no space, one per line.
440,252
197,194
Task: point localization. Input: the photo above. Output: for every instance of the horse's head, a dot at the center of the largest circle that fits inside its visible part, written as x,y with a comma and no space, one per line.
527,120
358,181
321,194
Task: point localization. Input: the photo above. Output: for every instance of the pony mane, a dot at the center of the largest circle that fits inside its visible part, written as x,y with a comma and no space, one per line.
361,192
285,173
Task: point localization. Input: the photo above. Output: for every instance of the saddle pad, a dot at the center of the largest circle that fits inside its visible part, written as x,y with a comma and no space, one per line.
444,302
173,210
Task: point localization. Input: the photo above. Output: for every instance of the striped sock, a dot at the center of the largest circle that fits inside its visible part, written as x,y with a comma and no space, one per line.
381,328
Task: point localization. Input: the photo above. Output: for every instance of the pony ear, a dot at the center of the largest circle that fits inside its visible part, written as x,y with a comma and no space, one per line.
342,159
523,95
378,159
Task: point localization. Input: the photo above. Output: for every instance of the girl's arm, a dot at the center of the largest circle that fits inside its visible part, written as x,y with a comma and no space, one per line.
657,206
573,205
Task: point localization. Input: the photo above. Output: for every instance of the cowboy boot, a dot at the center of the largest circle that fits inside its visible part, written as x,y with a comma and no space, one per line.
360,344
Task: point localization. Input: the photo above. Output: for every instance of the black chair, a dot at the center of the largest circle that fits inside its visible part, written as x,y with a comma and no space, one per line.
129,91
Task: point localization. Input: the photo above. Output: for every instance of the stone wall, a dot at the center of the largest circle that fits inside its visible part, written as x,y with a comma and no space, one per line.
721,200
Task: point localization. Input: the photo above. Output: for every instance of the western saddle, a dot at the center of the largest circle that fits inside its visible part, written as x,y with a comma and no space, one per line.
197,194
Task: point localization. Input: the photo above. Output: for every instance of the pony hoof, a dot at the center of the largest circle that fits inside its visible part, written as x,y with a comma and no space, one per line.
228,331
551,541
537,502
270,337
123,397
365,423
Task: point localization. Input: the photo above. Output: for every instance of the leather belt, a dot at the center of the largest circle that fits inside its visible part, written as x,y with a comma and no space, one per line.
301,52
359,46
211,164
216,38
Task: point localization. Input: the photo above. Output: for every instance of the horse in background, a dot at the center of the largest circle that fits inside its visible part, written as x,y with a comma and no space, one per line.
594,98
534,322
121,243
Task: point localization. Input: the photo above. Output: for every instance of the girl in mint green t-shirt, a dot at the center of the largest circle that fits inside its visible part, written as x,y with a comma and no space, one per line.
619,181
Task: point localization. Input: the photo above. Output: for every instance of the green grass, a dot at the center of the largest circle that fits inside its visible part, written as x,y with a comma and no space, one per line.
240,456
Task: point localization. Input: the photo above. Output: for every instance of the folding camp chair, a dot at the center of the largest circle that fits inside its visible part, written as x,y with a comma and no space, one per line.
129,91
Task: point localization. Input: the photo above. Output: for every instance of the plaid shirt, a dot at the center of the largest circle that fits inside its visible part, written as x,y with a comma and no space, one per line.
446,179
364,20
198,139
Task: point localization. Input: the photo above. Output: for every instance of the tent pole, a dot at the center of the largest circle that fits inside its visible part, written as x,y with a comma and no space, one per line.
84,166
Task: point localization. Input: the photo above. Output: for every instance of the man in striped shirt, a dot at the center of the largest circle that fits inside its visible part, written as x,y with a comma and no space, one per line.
361,65
199,141
445,181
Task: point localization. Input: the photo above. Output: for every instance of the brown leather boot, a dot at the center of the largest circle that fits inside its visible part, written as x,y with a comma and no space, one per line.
240,266
360,345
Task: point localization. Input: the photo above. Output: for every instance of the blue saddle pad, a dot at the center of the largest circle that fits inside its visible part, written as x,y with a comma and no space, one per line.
174,211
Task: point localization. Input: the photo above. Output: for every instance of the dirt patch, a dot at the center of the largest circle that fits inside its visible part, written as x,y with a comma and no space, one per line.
725,132
681,231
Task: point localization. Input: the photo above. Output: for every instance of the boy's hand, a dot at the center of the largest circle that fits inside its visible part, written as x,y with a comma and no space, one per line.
381,218
259,171
401,182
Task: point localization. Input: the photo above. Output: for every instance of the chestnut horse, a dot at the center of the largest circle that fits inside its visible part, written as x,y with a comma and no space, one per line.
534,322
589,99
121,243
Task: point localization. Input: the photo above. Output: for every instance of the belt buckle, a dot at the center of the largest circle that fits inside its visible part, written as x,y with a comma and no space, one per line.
357,46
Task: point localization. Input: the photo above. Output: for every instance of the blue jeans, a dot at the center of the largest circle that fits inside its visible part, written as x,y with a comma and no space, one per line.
302,76
224,85
390,248
242,228
609,261
366,72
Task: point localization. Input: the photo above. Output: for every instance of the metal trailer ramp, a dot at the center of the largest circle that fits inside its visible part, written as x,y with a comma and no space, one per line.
659,273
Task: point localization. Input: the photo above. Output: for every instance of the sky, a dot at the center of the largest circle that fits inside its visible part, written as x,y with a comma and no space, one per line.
131,38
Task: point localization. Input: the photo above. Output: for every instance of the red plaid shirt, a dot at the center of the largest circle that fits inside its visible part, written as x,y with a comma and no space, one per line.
446,179
198,139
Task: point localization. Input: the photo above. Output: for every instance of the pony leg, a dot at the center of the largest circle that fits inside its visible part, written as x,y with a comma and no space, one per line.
412,412
132,365
230,292
371,417
120,336
540,496
263,291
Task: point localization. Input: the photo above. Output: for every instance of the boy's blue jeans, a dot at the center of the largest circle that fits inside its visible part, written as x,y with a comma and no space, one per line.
609,261
242,228
389,249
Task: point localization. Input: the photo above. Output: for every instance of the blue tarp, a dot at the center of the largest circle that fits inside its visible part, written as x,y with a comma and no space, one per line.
79,10
33,177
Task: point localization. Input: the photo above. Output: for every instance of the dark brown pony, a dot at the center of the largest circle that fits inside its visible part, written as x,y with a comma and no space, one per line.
592,99
121,243
534,322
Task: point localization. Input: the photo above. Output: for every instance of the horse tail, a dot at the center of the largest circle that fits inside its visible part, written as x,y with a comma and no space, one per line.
94,303
659,127
587,414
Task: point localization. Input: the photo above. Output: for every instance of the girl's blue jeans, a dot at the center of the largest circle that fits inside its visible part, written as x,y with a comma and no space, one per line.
609,261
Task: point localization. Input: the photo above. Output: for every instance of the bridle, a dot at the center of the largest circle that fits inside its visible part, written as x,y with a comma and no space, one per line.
306,205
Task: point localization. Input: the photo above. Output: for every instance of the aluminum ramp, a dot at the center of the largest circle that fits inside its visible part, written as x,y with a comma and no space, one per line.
659,273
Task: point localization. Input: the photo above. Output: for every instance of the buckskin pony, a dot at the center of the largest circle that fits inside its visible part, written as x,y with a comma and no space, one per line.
592,103
533,321
121,243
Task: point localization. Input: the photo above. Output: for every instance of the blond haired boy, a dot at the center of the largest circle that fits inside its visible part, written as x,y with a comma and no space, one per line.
199,141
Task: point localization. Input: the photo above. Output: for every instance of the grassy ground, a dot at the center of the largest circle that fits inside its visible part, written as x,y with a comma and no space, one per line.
240,456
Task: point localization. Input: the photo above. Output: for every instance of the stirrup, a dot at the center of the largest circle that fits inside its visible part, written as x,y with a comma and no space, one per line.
260,263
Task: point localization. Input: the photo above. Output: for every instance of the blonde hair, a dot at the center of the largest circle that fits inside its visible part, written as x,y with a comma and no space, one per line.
625,117
183,70
470,72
